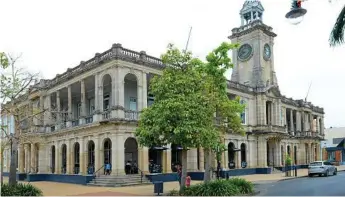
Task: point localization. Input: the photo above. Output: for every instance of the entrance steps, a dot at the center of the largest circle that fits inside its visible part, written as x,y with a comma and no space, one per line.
276,170
119,180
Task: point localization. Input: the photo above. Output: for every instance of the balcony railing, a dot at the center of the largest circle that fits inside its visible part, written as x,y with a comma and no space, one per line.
89,119
106,115
131,115
75,123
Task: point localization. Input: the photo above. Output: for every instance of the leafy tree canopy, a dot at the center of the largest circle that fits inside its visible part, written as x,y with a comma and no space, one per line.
186,96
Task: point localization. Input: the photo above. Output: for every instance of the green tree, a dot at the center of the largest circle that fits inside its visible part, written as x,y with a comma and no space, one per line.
228,119
337,34
186,97
16,85
180,114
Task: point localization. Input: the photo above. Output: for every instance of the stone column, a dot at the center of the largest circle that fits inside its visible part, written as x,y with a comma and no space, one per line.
69,154
310,153
33,158
317,128
202,158
238,155
322,126
58,110
262,157
121,92
291,121
48,120
306,123
21,158
192,165
42,159
69,90
83,102
298,121
27,162
120,152
144,92
41,121
114,154
166,161
140,95
82,155
143,158
57,158
224,159
96,113
98,164
310,117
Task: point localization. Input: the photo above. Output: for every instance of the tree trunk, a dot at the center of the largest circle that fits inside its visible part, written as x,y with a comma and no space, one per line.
184,168
208,173
13,166
2,165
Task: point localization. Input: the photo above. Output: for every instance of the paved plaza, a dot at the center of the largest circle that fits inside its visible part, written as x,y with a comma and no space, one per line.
65,189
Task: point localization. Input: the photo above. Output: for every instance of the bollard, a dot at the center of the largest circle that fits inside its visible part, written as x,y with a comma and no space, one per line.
296,171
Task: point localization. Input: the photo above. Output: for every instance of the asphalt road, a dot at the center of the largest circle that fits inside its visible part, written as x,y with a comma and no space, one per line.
314,186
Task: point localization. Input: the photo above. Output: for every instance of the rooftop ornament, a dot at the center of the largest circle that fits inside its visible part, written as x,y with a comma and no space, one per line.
296,14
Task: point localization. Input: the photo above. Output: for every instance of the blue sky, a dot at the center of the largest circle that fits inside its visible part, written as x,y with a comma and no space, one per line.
55,35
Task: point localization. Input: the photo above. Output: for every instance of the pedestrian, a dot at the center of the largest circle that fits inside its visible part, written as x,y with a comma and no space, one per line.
107,168
179,173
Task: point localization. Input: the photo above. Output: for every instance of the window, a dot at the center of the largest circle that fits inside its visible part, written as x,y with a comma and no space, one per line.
133,104
243,114
91,106
106,102
150,100
78,110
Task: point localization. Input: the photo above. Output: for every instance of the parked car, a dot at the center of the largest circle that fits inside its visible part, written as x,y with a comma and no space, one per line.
321,168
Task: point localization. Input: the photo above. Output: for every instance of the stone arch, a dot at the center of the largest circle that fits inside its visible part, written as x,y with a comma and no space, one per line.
107,90
107,150
176,156
243,152
231,155
131,92
76,155
90,157
63,158
52,159
131,155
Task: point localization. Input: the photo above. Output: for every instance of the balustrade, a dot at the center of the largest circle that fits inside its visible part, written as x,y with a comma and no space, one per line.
131,115
106,115
89,119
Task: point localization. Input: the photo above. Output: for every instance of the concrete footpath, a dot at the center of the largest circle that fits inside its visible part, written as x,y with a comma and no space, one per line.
64,189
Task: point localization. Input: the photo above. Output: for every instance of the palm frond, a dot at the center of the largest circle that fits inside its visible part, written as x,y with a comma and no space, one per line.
337,34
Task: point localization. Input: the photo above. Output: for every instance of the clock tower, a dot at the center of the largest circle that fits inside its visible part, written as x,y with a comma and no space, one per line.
253,61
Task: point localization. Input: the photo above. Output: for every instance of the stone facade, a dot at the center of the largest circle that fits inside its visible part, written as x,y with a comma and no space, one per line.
91,113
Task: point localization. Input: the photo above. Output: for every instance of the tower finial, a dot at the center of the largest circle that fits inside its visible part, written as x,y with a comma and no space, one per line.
251,10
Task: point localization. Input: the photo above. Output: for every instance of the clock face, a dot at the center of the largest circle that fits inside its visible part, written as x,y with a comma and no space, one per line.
245,52
267,52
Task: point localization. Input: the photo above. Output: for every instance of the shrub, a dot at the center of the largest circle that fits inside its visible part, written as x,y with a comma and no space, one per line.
20,189
173,193
232,187
245,186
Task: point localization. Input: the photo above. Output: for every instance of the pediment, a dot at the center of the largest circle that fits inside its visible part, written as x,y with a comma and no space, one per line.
273,91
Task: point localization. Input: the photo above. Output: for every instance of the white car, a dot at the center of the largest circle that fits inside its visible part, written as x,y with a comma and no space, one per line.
321,168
